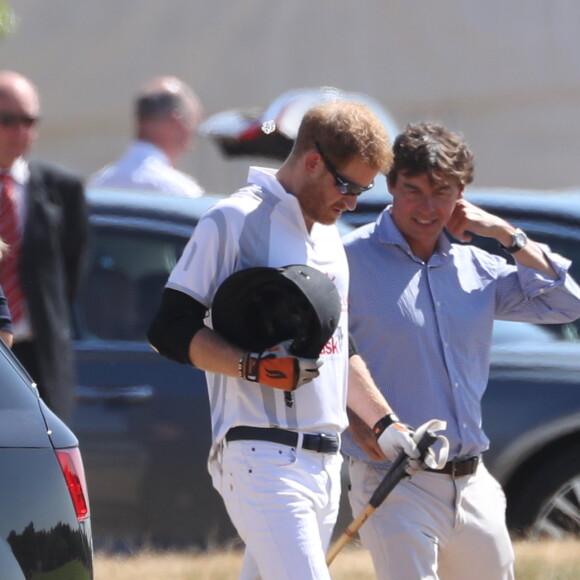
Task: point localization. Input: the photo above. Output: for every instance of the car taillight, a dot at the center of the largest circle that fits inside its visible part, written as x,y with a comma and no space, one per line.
74,474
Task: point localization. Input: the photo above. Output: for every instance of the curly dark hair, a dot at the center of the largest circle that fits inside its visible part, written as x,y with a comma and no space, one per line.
432,149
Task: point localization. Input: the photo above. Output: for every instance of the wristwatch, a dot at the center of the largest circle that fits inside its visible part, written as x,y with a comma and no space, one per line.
519,241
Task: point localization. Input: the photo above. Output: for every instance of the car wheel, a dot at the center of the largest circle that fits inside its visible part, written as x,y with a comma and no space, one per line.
549,505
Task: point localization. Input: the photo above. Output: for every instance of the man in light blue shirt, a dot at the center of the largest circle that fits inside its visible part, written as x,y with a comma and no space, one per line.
421,311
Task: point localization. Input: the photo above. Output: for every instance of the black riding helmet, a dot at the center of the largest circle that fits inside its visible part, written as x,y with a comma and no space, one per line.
257,308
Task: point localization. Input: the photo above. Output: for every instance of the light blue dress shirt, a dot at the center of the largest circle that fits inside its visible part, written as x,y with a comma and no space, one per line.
425,329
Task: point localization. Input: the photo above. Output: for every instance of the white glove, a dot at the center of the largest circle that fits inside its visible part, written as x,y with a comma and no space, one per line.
435,456
397,437
394,437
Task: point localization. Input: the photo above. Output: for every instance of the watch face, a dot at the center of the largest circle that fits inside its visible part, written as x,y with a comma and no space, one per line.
520,239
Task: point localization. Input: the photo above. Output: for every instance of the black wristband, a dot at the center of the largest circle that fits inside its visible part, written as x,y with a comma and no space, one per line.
383,423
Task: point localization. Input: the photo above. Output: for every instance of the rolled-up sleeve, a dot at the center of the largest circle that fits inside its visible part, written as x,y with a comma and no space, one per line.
546,300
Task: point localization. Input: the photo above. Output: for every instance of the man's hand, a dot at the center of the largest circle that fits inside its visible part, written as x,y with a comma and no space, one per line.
468,219
363,435
435,456
278,368
394,437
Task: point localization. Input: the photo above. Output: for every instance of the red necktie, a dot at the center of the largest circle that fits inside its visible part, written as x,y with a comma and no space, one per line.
10,262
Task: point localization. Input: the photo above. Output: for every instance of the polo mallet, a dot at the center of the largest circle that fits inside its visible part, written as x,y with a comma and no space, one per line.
425,438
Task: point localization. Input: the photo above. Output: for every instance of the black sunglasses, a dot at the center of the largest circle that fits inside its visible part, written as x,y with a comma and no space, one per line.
344,185
14,119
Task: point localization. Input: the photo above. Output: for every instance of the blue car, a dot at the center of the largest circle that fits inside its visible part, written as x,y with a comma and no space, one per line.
142,421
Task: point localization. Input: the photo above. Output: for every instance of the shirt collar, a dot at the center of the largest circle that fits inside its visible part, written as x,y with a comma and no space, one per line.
266,177
19,171
388,233
147,149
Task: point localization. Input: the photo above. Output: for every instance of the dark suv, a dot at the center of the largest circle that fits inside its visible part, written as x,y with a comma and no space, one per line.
45,529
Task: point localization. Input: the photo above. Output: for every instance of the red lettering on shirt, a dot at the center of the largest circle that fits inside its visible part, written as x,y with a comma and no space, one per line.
331,347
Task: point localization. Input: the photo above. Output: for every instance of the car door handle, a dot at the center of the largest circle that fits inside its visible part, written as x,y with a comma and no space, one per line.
125,394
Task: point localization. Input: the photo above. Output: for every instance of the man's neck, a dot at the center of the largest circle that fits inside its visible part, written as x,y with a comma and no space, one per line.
6,165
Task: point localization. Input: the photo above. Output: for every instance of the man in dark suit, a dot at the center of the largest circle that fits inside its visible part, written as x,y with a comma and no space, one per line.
44,219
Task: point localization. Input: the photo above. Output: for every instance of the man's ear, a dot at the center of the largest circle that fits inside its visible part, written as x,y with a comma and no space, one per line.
461,190
312,162
391,182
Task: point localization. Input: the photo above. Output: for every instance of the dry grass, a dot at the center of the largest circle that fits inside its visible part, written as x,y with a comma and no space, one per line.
548,560
534,561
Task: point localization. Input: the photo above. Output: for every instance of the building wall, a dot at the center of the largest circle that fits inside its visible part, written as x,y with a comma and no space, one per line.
505,74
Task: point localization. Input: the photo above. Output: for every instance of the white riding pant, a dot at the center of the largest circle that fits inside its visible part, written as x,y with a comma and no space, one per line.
433,527
284,504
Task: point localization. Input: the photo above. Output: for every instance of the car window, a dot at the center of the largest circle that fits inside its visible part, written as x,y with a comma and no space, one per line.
506,332
570,248
127,272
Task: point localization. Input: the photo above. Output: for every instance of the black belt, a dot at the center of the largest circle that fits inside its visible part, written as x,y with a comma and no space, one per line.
459,467
320,443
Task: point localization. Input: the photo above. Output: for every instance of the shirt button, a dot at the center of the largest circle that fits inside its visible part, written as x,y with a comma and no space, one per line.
464,425
456,385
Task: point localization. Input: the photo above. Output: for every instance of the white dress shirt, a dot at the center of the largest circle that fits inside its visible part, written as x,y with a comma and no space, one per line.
145,167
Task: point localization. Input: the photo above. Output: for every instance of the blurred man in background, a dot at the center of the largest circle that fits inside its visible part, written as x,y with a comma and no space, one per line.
167,114
44,221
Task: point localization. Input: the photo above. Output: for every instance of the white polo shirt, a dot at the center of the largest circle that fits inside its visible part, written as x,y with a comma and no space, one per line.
262,225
